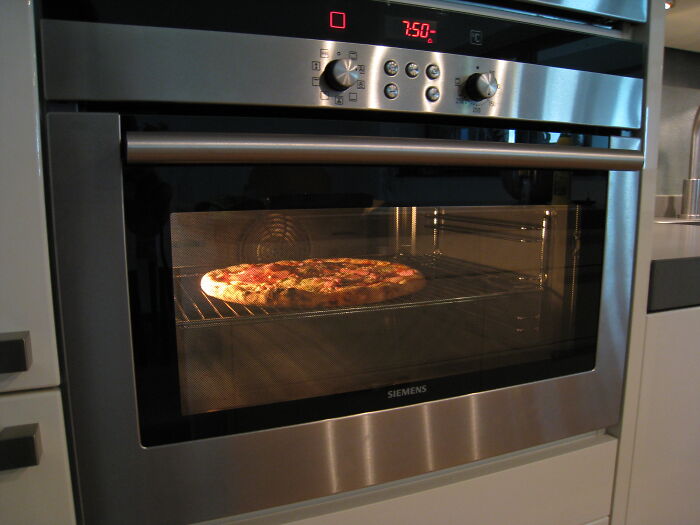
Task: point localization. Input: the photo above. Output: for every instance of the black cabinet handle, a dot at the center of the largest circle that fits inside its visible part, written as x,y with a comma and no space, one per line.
18,447
13,354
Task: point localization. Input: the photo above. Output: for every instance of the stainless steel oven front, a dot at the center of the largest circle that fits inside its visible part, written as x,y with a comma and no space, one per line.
498,165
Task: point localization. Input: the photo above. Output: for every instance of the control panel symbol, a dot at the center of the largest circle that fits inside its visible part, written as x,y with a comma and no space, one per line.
476,37
391,67
412,69
337,20
315,65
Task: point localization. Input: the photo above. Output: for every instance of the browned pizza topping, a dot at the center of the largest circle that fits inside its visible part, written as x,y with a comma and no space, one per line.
333,273
313,281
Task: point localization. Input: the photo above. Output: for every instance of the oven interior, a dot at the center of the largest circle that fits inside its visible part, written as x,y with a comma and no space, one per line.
498,293
512,260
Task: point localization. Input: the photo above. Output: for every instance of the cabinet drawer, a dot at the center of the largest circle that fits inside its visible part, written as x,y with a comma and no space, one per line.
37,494
26,311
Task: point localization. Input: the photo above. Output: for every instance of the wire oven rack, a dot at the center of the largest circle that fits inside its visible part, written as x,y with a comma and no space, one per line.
449,280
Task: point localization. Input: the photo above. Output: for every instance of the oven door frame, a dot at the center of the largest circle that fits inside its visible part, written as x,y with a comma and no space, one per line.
120,481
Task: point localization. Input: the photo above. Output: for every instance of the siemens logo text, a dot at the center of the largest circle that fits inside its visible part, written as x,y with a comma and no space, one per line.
411,391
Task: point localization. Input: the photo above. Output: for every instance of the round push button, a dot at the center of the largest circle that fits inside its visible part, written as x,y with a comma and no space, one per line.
432,94
433,71
391,91
412,69
391,67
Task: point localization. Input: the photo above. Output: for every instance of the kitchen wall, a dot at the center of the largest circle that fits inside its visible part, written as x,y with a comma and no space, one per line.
679,101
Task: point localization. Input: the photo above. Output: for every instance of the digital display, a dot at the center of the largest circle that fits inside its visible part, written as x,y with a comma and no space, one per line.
421,29
337,20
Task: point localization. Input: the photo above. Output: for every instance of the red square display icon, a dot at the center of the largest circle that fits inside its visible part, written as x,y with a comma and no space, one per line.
337,20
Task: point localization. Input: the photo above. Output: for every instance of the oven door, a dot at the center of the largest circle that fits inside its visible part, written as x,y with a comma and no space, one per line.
515,334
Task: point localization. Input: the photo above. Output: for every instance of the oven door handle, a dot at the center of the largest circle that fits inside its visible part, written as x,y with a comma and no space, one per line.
228,148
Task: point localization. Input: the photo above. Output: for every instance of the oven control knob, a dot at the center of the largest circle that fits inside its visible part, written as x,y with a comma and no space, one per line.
341,74
480,86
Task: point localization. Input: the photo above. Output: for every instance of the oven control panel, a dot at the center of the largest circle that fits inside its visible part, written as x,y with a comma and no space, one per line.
344,74
358,76
260,70
344,78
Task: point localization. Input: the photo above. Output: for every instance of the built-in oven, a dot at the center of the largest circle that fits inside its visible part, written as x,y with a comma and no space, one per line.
344,244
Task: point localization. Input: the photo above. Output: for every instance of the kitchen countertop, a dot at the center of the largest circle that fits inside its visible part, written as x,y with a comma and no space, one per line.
675,241
674,280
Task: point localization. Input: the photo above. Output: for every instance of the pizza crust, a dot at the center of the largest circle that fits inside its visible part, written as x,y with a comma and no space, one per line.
278,295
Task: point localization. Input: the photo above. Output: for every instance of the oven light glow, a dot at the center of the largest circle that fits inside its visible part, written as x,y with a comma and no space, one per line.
337,19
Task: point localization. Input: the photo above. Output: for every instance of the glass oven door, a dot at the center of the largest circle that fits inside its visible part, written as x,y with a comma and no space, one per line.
280,279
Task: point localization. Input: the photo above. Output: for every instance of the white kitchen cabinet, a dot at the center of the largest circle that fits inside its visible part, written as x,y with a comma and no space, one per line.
665,476
42,493
563,484
25,284
39,494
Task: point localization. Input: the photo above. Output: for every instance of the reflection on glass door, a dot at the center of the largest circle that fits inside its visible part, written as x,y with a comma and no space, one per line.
497,291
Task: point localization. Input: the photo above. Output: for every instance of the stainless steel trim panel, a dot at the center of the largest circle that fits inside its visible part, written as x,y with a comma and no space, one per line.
173,148
618,266
104,62
632,10
123,482
627,143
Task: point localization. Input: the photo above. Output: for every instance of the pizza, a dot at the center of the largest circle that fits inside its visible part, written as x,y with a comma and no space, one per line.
313,282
